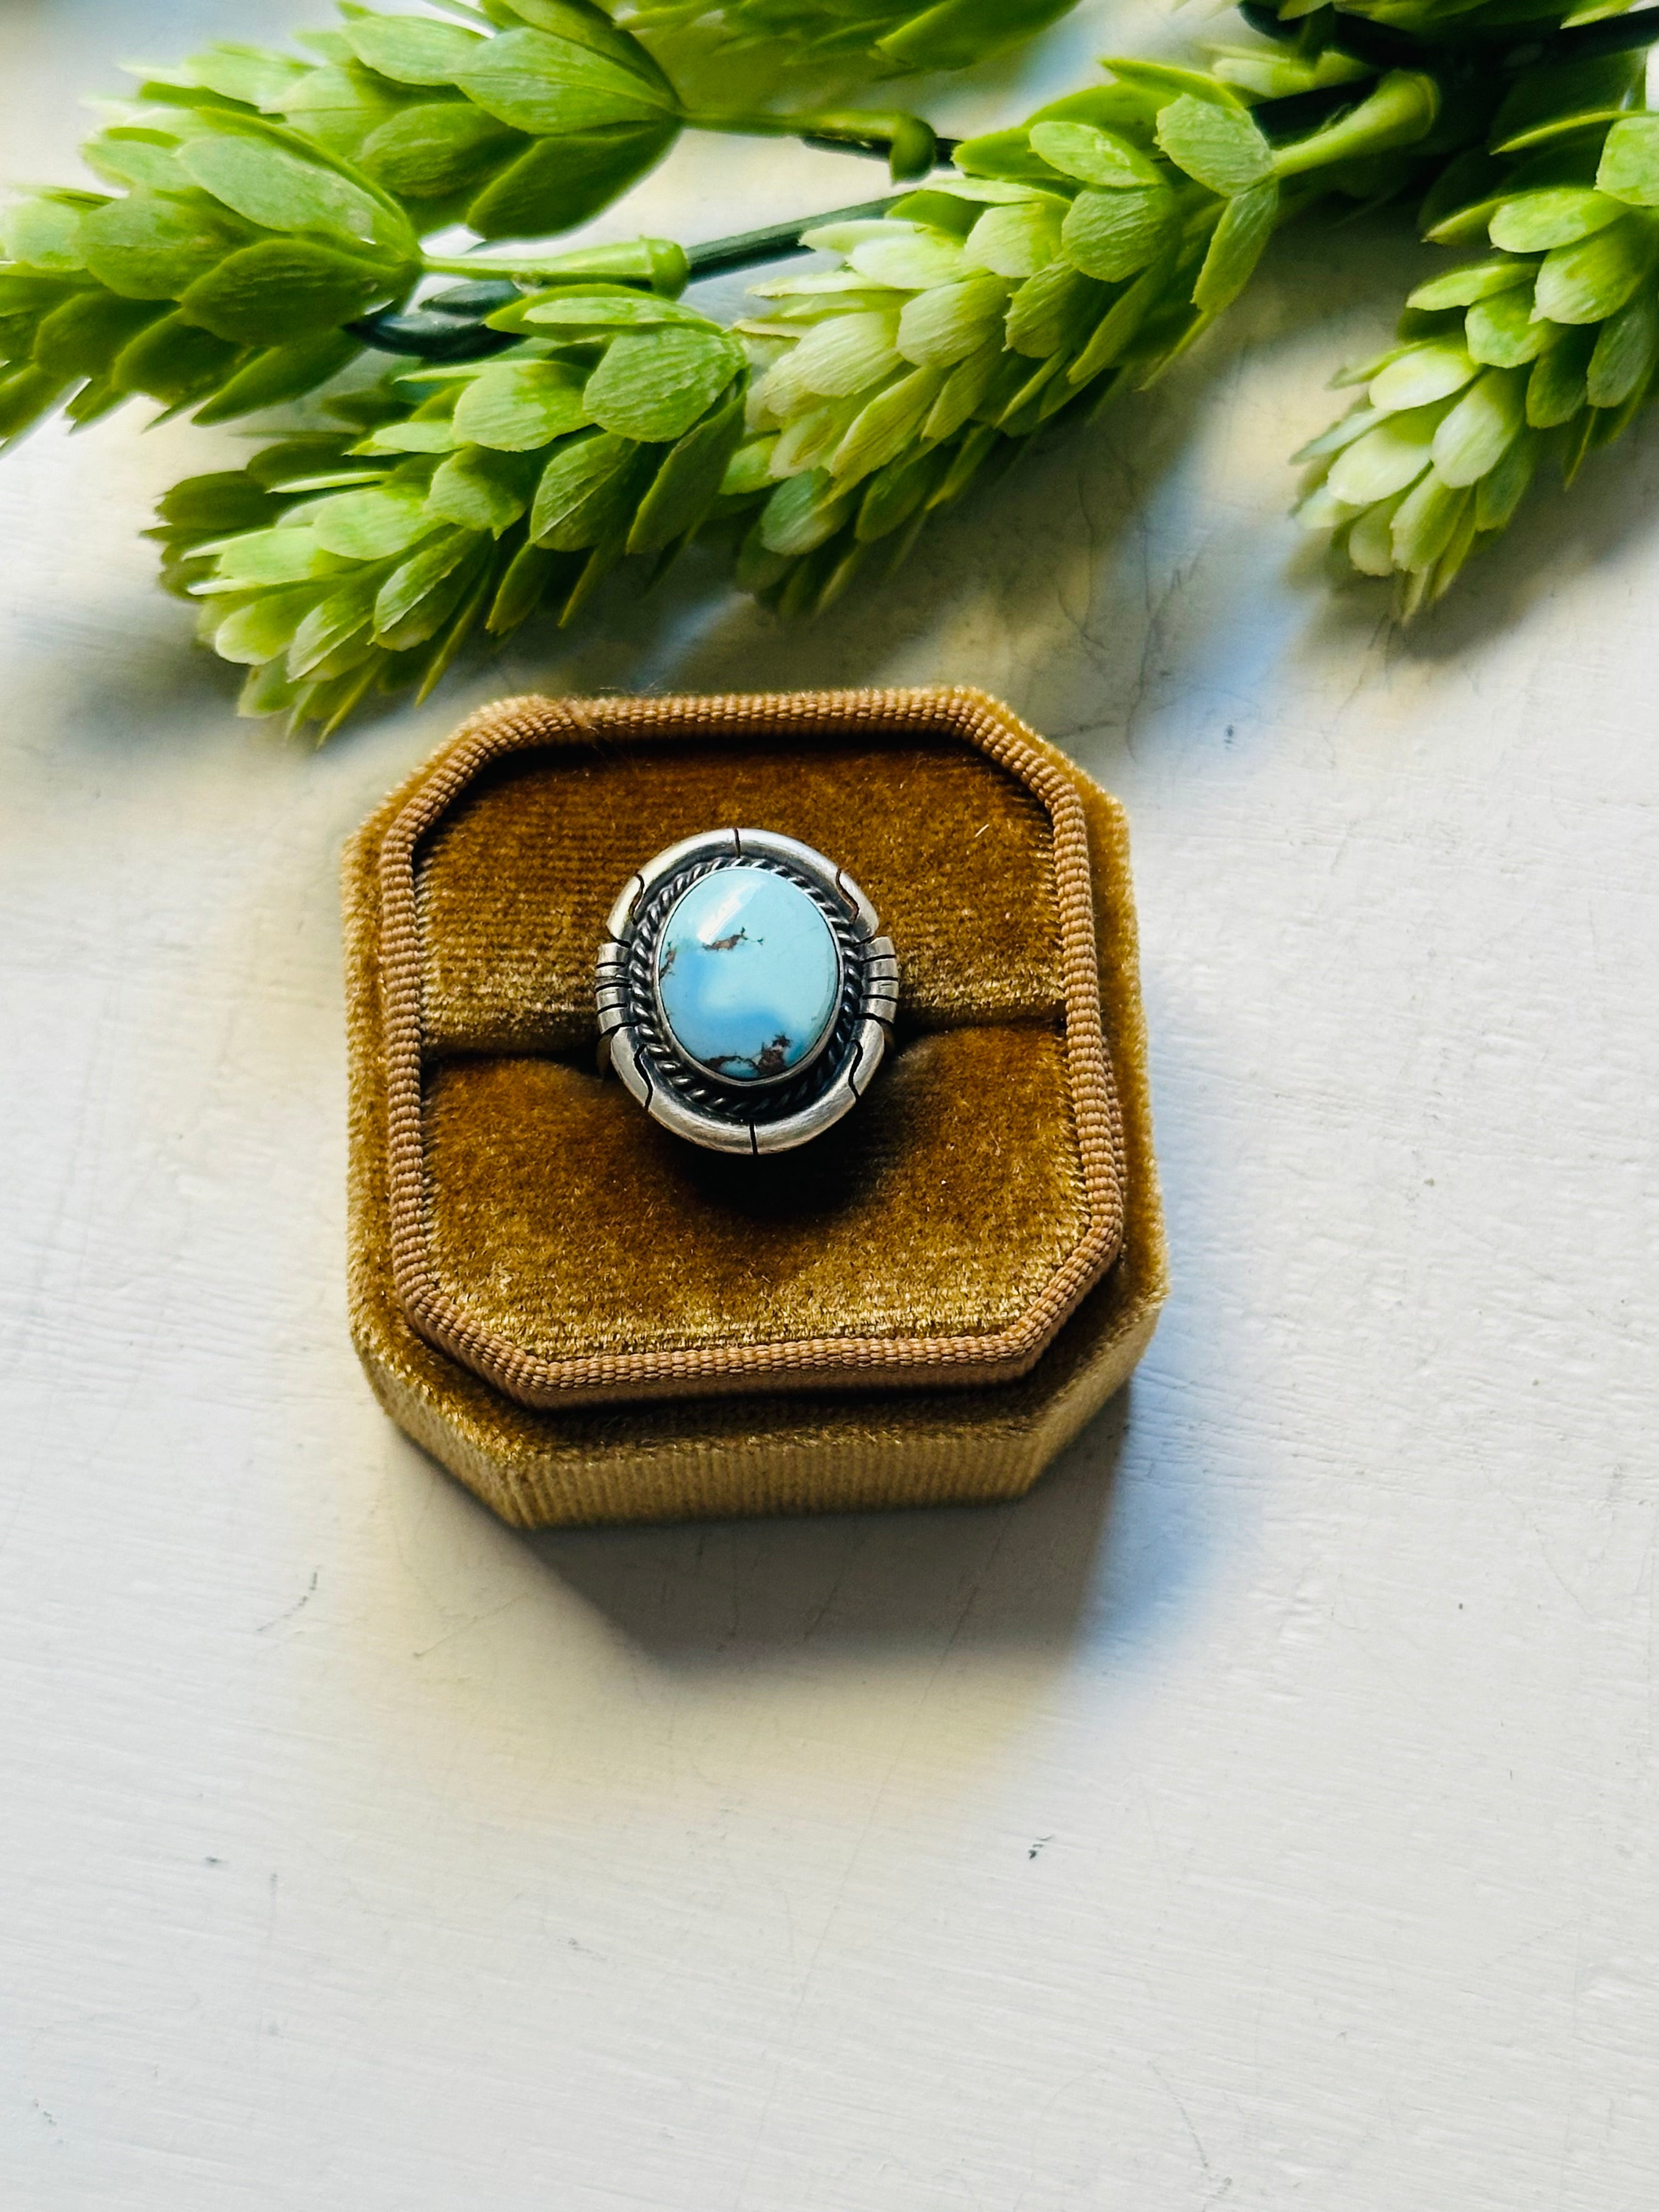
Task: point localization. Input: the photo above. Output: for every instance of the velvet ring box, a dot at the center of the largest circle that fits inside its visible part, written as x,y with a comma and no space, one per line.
586,1319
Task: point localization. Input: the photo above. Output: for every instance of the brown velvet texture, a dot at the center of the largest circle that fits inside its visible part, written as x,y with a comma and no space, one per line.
566,1219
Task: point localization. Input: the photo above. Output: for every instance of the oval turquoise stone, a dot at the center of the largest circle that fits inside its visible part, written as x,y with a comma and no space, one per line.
748,974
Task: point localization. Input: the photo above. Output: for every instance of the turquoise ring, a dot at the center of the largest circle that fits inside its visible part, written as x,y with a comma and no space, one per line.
746,994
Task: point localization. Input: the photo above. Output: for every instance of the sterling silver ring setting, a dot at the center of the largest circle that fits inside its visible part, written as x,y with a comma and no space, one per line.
745,997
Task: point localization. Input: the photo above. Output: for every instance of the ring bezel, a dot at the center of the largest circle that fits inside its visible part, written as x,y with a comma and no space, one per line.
771,1113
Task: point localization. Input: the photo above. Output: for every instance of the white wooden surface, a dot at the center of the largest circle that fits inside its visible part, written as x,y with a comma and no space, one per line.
1262,1814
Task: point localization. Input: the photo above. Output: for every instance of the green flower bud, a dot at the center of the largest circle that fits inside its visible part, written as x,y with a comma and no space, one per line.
473,494
1551,345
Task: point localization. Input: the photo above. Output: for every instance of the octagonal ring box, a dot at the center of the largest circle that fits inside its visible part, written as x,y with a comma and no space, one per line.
586,1319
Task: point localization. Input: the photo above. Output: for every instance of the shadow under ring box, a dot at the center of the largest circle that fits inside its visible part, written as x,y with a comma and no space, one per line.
586,1319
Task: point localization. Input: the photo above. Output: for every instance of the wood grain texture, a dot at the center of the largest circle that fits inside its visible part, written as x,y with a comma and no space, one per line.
1259,1815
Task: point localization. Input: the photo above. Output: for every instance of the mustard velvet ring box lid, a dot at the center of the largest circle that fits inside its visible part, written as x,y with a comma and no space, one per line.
587,1318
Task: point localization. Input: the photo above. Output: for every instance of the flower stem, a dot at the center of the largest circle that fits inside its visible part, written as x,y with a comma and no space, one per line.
909,146
1401,110
750,248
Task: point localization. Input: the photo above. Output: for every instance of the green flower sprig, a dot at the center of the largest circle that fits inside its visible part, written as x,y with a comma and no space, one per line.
1075,256
265,204
221,277
1547,348
479,493
269,216
883,36
1084,250
520,118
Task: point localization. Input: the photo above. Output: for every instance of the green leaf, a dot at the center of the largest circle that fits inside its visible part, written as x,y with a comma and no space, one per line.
550,86
253,74
1425,521
418,596
908,261
583,491
1501,331
1004,156
371,525
1119,326
281,373
1017,240
1476,281
324,642
133,156
280,289
412,49
269,557
592,308
82,337
47,231
803,512
1587,282
265,628
1111,235
25,395
810,438
1625,352
952,33
887,424
268,690
588,26
422,433
173,361
895,493
1532,223
1385,459
1370,543
970,457
1422,373
521,404
481,489
1474,434
1557,388
688,481
1342,432
153,245
1095,157
1630,161
560,182
654,385
1051,310
26,295
845,355
1542,101
1236,245
1220,147
274,188
1499,492
1008,155
440,147
227,500
533,569
750,469
953,212
1160,82
338,107
843,237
